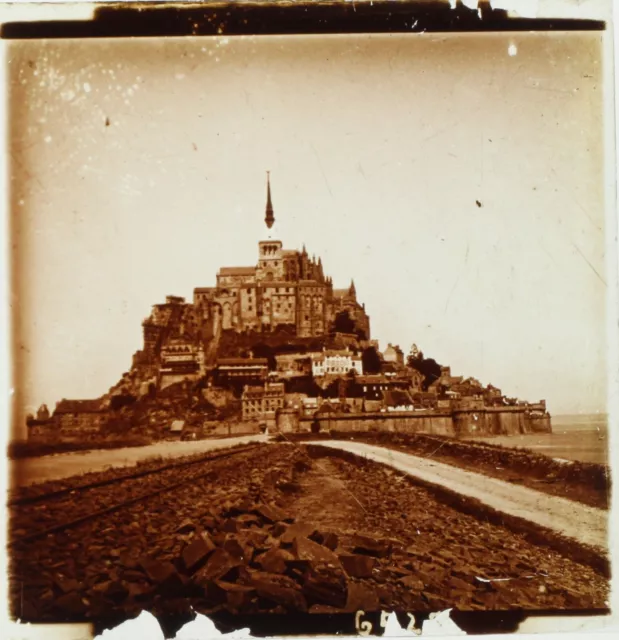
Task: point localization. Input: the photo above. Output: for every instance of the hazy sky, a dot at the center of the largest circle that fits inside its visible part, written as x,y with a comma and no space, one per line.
378,147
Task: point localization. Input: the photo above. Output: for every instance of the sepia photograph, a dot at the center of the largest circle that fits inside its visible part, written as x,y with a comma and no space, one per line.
306,328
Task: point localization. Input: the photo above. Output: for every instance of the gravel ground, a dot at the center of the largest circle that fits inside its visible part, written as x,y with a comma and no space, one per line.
584,482
276,531
566,517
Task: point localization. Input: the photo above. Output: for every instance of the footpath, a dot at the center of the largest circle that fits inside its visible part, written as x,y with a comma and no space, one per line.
587,525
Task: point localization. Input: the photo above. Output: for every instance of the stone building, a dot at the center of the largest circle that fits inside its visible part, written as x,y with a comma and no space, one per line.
79,417
181,360
262,402
293,365
336,363
241,370
169,322
394,354
42,430
286,288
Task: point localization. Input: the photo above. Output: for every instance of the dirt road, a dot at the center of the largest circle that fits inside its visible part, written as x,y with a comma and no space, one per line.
32,470
587,525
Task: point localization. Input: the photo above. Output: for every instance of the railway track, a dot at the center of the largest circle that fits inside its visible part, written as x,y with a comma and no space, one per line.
44,509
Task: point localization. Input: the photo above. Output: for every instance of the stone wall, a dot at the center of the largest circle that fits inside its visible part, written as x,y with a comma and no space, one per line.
216,428
404,422
490,421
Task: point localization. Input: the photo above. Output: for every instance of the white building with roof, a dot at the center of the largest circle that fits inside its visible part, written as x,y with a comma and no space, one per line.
336,363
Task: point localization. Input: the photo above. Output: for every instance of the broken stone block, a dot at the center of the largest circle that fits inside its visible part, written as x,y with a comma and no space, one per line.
238,596
326,539
269,513
232,544
279,590
300,529
162,574
436,602
279,528
361,597
212,592
237,508
66,585
219,566
196,553
291,599
457,583
326,584
370,546
186,526
357,565
313,553
258,538
246,520
274,560
230,525
412,583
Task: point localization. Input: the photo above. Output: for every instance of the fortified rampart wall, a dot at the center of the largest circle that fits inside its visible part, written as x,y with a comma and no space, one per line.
487,421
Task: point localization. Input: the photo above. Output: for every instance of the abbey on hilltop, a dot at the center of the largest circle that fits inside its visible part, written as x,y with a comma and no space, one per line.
275,344
285,287
286,290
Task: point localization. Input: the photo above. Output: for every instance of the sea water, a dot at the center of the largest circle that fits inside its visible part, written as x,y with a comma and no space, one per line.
581,437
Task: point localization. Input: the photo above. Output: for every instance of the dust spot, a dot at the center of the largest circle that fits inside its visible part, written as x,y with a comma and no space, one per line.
478,203
512,50
107,122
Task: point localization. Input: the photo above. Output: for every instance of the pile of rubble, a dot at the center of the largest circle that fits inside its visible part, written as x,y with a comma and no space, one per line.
276,530
255,558
244,554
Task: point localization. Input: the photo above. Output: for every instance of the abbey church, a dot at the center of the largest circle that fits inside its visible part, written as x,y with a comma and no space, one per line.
286,290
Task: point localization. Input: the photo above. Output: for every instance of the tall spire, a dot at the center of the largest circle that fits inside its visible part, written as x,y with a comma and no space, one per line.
352,292
269,218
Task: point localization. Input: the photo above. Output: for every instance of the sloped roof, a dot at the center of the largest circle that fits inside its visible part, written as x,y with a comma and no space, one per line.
177,425
237,271
248,362
78,406
340,293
